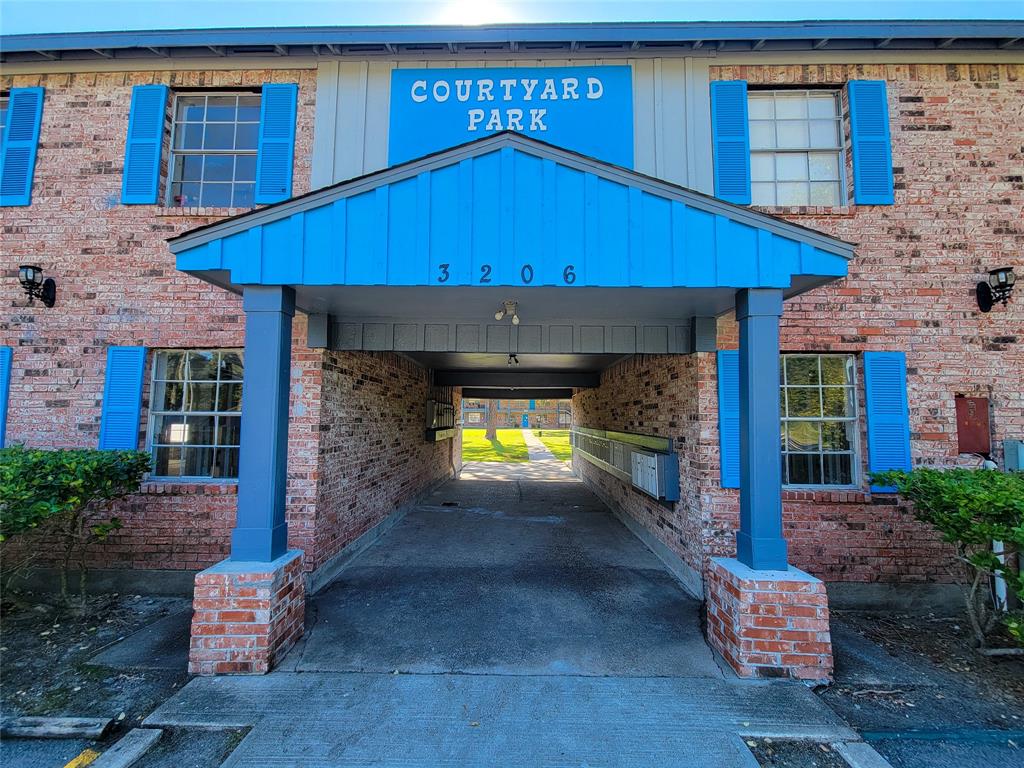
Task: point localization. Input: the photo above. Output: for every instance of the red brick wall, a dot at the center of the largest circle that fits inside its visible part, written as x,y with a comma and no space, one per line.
117,284
373,456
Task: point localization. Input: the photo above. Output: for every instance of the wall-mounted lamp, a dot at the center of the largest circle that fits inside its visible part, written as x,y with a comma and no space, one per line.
509,307
31,278
997,289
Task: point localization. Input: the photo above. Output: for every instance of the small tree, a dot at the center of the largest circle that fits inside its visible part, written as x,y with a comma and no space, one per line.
971,508
64,494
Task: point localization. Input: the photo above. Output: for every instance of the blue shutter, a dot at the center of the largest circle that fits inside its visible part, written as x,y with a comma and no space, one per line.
277,143
729,417
872,147
5,389
730,135
885,383
144,145
18,153
122,398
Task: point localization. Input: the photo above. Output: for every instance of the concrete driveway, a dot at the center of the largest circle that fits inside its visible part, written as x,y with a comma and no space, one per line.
508,620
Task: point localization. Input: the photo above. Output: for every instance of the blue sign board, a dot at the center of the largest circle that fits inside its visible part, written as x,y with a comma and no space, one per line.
585,109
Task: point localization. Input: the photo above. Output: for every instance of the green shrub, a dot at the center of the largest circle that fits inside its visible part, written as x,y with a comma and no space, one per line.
64,493
971,508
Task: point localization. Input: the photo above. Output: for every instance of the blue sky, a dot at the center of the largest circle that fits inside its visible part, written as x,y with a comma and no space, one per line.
25,16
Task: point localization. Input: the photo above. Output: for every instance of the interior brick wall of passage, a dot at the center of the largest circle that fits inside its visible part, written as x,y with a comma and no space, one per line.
117,284
769,628
373,456
244,623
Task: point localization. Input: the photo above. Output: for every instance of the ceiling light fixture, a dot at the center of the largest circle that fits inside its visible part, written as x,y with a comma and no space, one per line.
509,307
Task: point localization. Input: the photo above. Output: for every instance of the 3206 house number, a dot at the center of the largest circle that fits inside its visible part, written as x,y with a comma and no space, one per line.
526,273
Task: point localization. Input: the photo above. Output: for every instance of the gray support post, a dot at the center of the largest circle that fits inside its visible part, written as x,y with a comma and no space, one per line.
318,331
261,533
759,542
703,334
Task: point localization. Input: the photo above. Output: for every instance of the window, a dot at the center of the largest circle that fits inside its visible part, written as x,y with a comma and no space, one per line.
213,150
819,420
196,413
796,148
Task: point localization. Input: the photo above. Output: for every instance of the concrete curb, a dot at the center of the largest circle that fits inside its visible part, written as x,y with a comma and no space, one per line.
860,754
130,749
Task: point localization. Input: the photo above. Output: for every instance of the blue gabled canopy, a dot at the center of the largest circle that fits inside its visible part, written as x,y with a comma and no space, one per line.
507,210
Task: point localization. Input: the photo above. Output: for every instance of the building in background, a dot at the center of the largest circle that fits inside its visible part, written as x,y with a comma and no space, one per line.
556,414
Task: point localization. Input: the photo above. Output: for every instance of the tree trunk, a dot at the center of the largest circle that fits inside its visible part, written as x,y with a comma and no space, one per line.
492,421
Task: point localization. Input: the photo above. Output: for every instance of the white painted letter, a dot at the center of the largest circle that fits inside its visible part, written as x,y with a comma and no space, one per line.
475,116
494,121
595,88
537,119
439,94
530,86
462,89
569,85
549,91
507,85
515,120
484,87
422,85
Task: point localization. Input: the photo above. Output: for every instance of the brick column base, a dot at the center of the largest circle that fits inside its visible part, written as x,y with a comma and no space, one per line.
769,623
246,615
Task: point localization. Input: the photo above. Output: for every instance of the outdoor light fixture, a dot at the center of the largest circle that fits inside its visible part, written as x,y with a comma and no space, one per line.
31,278
508,308
513,360
997,289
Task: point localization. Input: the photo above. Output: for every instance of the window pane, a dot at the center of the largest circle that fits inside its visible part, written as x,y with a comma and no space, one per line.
169,429
822,105
170,365
167,462
244,195
762,135
246,135
762,166
199,430
791,167
760,106
190,108
804,470
228,430
216,196
229,397
202,366
802,436
245,167
803,401
792,134
790,105
220,109
825,193
837,435
838,401
231,366
218,167
185,195
838,469
167,396
197,462
188,136
249,108
793,193
202,397
802,369
824,166
824,133
226,463
837,369
219,136
762,193
188,168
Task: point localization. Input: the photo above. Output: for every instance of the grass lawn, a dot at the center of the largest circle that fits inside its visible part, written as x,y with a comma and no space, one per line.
509,446
557,441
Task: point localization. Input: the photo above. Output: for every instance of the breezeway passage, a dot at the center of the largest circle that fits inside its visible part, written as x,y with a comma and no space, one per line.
515,568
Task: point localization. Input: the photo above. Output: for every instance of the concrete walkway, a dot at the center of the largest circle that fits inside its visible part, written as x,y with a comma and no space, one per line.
536,448
506,621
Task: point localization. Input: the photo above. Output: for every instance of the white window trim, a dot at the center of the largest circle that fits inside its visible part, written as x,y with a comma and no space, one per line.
857,457
154,412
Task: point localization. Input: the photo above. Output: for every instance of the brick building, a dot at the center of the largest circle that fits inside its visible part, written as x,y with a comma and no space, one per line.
518,413
667,211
